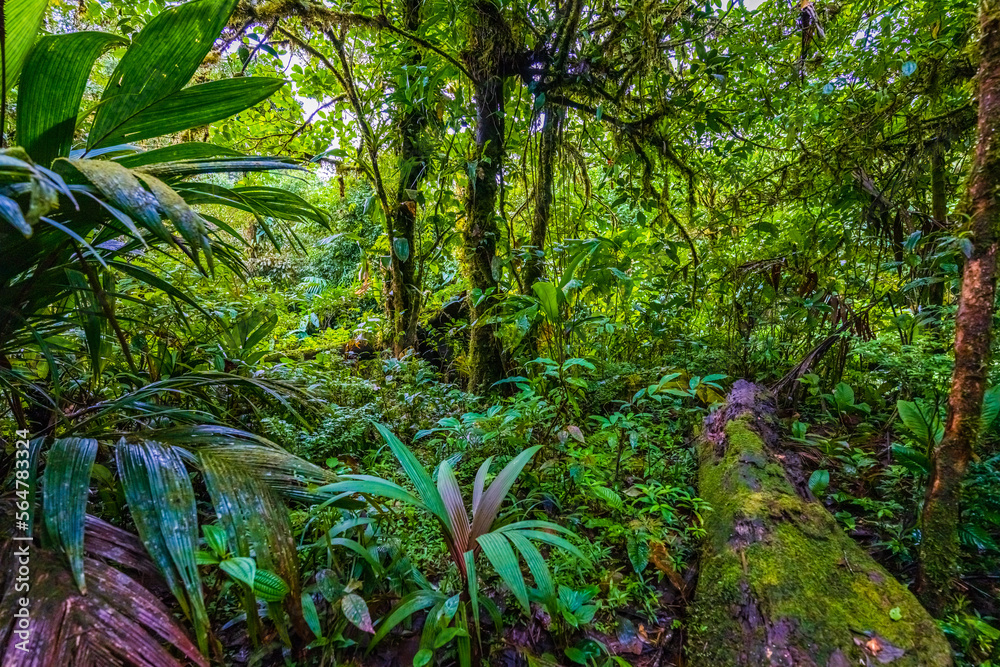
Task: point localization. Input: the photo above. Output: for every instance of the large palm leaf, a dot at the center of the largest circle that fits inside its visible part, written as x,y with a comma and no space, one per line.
61,208
120,621
249,480
67,216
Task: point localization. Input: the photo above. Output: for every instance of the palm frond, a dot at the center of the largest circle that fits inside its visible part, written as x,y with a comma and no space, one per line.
162,503
119,622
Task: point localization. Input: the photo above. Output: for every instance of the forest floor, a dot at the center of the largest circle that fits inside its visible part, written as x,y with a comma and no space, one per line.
618,467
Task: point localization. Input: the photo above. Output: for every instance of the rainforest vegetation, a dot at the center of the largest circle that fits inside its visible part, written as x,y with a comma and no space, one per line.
499,332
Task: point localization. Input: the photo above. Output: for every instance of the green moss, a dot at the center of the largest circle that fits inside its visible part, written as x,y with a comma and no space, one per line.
796,566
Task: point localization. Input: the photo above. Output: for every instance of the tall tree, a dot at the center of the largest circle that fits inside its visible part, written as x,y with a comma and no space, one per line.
490,58
534,263
552,75
412,169
973,332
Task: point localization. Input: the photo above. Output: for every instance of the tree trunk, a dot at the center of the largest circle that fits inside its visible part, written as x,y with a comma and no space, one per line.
412,169
488,56
939,212
939,549
534,264
780,583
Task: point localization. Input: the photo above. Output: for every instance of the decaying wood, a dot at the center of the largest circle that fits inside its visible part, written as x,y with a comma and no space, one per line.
780,583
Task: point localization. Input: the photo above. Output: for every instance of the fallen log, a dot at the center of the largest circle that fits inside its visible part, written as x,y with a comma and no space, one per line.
780,583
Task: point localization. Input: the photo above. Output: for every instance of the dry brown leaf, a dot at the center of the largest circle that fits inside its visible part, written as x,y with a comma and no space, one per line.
660,557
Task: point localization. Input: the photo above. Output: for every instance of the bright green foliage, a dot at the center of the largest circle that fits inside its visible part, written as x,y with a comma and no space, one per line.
55,75
21,20
464,538
205,213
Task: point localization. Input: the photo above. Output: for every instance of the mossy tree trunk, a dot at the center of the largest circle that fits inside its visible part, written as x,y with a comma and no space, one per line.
939,550
939,212
780,583
412,169
534,263
489,57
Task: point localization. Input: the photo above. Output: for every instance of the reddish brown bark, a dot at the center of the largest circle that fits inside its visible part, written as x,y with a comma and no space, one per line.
939,551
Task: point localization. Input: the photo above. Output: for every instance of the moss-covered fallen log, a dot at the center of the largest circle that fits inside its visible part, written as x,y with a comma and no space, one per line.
780,583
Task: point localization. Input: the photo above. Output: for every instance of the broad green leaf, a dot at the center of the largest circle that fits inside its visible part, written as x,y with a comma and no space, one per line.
269,587
216,538
191,226
472,585
843,395
536,564
991,407
554,540
925,427
421,480
216,165
408,605
534,524
122,189
356,611
193,107
587,251
912,459
368,485
819,481
280,203
240,568
548,299
48,99
497,550
445,636
161,61
162,503
281,471
203,557
67,482
637,547
21,21
480,483
193,150
311,615
401,247
608,495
